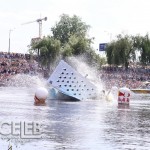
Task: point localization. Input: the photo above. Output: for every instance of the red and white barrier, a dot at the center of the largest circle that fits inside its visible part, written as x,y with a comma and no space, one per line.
124,96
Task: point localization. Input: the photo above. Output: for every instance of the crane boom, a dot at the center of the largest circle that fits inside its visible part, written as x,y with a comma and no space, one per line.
40,24
38,20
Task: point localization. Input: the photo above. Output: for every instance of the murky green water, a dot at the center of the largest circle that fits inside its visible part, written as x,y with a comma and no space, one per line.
83,125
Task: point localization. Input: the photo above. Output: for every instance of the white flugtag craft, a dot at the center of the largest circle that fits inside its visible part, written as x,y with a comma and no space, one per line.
69,82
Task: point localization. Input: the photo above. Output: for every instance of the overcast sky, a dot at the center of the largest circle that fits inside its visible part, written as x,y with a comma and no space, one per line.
107,18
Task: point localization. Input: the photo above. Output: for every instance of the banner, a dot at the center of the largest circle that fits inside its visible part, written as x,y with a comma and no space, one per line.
102,46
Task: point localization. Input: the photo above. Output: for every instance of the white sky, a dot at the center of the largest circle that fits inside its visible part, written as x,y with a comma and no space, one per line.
107,18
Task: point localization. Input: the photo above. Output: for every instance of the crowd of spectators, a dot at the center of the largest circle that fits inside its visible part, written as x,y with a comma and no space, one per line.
120,77
16,63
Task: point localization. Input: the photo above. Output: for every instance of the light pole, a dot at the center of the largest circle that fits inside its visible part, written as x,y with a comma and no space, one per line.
110,35
9,40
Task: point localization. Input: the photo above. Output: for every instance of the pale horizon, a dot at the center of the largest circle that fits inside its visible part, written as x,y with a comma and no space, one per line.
107,19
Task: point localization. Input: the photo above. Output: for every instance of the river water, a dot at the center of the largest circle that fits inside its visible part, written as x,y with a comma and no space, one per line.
82,125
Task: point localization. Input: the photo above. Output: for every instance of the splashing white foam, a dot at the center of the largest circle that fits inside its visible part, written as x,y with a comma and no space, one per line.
24,80
91,73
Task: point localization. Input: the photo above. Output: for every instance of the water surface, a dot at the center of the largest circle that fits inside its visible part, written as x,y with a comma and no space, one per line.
82,125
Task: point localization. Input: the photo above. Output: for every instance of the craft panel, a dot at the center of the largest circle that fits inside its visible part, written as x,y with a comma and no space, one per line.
68,81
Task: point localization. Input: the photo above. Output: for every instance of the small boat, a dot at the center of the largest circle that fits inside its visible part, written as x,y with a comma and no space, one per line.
143,89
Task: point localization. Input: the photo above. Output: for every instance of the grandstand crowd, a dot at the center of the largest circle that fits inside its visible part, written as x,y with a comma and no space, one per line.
17,63
120,77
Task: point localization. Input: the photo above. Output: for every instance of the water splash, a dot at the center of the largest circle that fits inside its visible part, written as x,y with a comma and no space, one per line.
25,80
91,73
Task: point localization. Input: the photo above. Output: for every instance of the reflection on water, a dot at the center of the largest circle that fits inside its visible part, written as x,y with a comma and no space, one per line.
89,125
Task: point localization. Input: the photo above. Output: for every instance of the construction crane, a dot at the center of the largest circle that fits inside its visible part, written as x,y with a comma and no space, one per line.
40,25
34,40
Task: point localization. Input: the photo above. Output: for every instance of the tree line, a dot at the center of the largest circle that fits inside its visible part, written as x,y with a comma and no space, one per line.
124,50
70,38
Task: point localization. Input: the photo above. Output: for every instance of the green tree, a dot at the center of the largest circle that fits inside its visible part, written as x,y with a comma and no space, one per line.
110,52
73,34
121,51
78,44
75,46
145,50
142,44
49,50
66,50
68,26
69,37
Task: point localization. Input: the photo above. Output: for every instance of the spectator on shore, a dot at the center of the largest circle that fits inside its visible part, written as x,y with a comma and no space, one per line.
119,77
16,63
